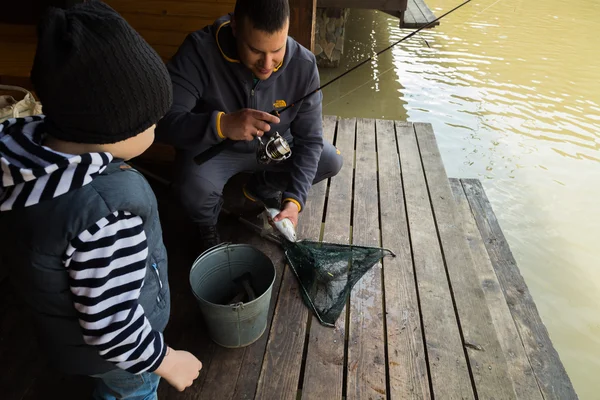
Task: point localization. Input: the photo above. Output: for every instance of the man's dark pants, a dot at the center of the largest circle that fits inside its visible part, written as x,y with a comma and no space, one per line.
200,187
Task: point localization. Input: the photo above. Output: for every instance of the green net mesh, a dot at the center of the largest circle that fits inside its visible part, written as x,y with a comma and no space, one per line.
327,272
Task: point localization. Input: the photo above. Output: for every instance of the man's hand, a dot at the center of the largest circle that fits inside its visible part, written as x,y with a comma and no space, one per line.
290,211
246,124
179,368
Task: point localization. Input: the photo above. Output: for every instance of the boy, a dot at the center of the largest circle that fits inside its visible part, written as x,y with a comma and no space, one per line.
79,230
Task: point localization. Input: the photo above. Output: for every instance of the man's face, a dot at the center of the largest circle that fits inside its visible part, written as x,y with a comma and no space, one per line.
260,51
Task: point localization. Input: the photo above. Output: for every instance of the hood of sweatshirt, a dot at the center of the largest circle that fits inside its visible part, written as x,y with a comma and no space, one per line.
33,173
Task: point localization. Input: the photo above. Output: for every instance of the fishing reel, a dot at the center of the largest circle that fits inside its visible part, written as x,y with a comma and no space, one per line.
274,150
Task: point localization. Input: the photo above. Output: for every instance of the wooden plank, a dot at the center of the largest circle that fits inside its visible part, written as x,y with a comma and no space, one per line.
159,153
485,355
402,5
399,12
543,357
15,31
324,371
166,52
427,13
408,374
366,337
20,61
18,34
409,20
519,369
186,329
371,4
291,305
166,38
309,227
200,9
231,369
303,14
223,370
416,12
22,81
447,365
283,357
166,22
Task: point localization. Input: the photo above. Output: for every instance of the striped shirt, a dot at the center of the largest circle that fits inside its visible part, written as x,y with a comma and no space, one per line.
107,266
106,262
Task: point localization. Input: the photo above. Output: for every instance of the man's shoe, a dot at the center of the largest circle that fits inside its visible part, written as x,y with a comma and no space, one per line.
209,237
258,193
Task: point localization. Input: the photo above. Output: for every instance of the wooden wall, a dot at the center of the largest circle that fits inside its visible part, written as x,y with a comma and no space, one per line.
17,49
163,23
303,14
166,23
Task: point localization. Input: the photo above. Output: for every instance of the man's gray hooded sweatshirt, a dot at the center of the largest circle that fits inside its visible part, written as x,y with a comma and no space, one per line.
81,238
209,80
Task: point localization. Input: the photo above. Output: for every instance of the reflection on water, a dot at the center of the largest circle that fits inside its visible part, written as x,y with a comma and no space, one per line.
513,93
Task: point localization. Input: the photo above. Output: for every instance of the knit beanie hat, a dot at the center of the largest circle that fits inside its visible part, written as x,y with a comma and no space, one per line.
98,80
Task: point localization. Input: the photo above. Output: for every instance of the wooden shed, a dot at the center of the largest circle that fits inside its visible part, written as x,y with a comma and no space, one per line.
163,23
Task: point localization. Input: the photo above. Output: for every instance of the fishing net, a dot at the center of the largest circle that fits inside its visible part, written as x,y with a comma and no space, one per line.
327,272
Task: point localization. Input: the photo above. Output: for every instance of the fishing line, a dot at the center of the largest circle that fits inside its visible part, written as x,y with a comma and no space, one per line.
376,54
360,86
487,8
389,69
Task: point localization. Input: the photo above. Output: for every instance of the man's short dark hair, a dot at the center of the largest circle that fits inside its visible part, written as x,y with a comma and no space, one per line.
265,15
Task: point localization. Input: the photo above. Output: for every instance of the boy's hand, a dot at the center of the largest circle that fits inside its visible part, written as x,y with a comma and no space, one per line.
179,368
290,211
246,124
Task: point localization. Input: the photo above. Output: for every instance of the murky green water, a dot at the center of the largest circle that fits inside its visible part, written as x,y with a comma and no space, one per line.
513,93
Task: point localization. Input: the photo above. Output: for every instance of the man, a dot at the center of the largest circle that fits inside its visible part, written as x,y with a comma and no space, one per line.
226,79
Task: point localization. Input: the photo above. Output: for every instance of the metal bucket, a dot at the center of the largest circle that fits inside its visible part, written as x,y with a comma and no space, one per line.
215,281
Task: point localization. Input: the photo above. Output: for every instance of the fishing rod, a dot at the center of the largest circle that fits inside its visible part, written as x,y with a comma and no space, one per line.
276,149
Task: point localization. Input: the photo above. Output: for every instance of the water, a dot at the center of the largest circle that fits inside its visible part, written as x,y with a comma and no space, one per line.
513,93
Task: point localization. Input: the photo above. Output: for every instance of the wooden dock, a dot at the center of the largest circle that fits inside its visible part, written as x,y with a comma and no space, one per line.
417,15
450,317
413,14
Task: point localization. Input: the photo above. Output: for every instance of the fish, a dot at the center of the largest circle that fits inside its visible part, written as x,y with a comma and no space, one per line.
285,226
245,293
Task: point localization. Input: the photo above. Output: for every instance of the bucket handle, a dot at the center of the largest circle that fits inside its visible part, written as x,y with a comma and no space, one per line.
237,306
224,244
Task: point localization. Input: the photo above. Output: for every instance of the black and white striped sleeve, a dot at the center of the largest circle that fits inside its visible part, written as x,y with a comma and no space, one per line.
107,265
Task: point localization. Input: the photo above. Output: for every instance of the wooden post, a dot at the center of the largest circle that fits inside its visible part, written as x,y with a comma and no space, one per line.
403,8
303,21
